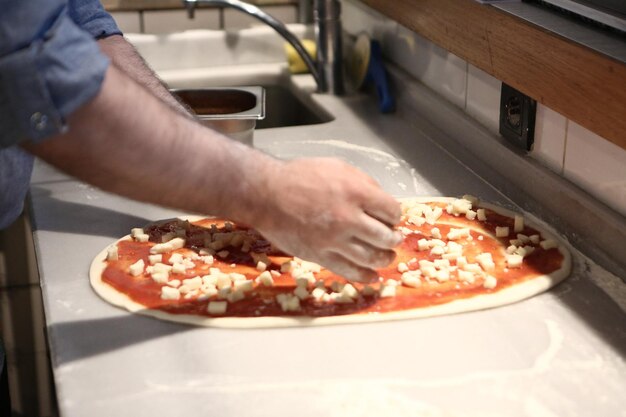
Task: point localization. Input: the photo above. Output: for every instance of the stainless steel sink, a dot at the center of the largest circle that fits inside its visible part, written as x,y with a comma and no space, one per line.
284,108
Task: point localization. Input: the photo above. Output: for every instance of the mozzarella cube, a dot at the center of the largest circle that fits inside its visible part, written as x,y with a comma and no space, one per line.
175,283
535,239
549,244
466,276
437,250
235,296
265,278
423,244
402,267
514,261
441,263
442,275
411,279
155,259
472,268
461,261
502,231
348,290
160,277
193,283
518,223
137,268
235,276
223,281
455,234
261,266
287,266
112,253
470,198
142,238
136,231
470,215
481,215
490,282
207,259
486,261
175,258
435,232
244,285
511,249
523,238
318,294
301,292
387,291
217,307
178,268
169,293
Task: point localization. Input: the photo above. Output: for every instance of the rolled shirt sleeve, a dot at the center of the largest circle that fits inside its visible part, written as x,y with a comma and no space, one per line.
49,67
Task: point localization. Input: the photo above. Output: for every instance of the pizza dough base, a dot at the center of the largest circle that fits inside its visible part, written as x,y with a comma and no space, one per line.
506,296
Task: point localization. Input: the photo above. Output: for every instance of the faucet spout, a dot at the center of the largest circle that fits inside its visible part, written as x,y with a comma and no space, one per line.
275,24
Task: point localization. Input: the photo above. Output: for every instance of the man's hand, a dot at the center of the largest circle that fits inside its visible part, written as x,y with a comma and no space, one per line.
327,211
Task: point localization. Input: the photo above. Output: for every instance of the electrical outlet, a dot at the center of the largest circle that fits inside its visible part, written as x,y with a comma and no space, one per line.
517,117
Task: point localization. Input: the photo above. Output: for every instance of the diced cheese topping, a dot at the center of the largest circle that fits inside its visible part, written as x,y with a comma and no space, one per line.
412,279
402,267
490,282
179,268
223,254
472,268
174,283
435,232
207,259
459,206
235,276
423,244
518,224
261,266
486,261
525,251
455,234
223,281
193,283
502,231
217,307
169,293
301,292
514,260
137,268
318,294
437,250
288,302
176,243
348,290
549,244
160,277
470,215
471,199
535,239
112,253
442,275
244,285
387,291
466,276
236,295
155,259
136,231
265,278
511,249
523,238
142,238
287,266
175,258
481,215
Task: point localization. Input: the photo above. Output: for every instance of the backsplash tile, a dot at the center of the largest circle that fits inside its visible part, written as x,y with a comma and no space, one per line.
234,19
550,130
596,165
170,21
434,66
128,22
483,98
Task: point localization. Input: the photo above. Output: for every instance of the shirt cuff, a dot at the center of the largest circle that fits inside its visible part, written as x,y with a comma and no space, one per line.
91,16
45,82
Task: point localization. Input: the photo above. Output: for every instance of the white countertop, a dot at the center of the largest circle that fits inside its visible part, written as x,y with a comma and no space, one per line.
558,354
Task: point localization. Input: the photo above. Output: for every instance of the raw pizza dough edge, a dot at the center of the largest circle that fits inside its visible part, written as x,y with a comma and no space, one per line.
503,297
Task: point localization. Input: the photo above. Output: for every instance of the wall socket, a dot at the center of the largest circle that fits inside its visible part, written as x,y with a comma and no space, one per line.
517,117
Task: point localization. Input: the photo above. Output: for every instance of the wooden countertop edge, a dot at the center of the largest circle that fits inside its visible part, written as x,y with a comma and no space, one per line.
585,86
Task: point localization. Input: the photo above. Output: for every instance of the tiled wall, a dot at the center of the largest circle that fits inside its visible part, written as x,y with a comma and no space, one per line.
586,159
169,21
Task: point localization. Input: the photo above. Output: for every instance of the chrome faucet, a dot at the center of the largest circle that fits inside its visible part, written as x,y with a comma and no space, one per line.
327,69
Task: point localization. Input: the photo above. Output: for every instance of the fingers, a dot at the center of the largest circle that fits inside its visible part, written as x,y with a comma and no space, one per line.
373,232
364,254
382,206
348,269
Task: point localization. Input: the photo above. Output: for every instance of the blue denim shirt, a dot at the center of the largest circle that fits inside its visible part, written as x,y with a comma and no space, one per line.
50,65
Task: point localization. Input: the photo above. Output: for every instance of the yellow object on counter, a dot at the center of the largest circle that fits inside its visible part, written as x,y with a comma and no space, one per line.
295,62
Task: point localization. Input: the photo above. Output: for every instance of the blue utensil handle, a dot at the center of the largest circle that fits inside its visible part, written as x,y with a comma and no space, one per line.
376,72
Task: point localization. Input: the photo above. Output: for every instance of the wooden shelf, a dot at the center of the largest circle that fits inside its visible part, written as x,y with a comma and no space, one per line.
583,85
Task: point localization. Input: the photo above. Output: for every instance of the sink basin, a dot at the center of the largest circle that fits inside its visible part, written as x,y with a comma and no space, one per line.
284,108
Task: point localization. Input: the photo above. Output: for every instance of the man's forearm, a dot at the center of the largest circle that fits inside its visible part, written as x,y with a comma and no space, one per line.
127,59
155,155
